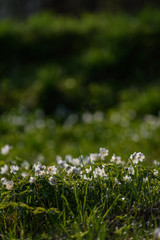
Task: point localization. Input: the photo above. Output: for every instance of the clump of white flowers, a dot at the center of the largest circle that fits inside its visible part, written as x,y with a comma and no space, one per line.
39,169
4,169
52,180
32,180
9,184
131,170
103,152
145,180
6,149
98,172
116,159
155,172
137,157
127,178
156,233
14,169
52,170
94,157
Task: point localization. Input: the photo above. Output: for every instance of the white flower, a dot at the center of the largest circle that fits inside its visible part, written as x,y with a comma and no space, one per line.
156,163
116,181
137,157
68,158
9,185
155,172
25,165
60,161
76,161
98,172
40,173
24,174
52,180
116,159
103,153
88,170
94,157
73,170
127,178
37,168
157,233
52,170
86,178
145,180
4,169
3,180
14,169
6,149
32,179
130,170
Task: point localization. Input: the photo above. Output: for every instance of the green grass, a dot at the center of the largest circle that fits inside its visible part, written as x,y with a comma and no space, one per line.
81,205
74,207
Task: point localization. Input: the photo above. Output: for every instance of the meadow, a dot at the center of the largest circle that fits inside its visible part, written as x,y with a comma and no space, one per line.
80,127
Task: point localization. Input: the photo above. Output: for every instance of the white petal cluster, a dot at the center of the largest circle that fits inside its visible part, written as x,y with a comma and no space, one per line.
145,180
156,233
9,184
131,170
117,182
137,157
127,178
4,169
88,170
32,180
52,170
6,149
155,172
103,152
24,174
52,180
94,157
116,159
39,169
98,172
25,165
73,170
14,169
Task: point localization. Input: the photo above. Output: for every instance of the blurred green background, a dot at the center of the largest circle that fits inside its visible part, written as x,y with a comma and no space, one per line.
76,76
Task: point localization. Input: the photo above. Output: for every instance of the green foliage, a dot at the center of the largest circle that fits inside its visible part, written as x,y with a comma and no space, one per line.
81,208
49,55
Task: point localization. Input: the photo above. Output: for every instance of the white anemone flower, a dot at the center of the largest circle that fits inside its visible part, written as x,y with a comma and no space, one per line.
137,157
25,165
6,149
52,170
9,185
145,180
14,169
127,178
98,172
88,170
103,153
52,180
156,233
24,174
155,172
94,157
32,180
4,169
131,170
3,180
